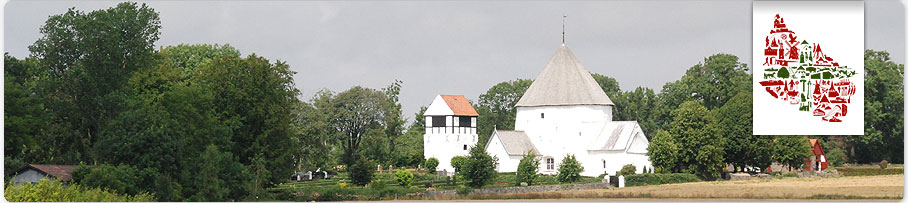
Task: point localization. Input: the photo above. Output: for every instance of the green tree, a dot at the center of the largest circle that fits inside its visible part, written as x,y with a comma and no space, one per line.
713,82
742,148
459,163
628,169
569,170
528,169
258,100
354,113
883,111
836,156
479,168
90,56
361,172
700,147
497,107
642,105
663,152
25,119
431,163
791,150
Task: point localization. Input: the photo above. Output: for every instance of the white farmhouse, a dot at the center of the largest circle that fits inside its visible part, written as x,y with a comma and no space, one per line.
566,112
450,130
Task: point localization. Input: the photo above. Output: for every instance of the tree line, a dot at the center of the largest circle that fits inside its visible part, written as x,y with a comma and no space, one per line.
702,121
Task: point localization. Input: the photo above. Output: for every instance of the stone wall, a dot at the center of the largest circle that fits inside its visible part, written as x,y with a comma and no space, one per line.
528,189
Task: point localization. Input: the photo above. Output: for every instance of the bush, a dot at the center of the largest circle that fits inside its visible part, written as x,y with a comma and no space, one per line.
51,190
884,164
861,171
629,169
659,178
528,169
836,157
458,163
479,168
361,172
431,164
403,177
569,170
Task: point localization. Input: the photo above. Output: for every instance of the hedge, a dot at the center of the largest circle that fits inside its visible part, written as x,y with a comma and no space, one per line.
855,171
659,178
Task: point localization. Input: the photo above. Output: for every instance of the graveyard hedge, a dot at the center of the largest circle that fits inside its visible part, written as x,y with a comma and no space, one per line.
856,171
659,178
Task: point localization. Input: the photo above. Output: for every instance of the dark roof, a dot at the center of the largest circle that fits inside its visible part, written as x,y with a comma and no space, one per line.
61,172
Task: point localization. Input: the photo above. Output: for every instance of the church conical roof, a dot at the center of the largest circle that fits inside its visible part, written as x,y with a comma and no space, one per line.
563,82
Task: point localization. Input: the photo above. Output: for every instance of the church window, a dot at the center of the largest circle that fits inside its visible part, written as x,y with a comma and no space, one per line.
464,147
541,115
603,163
549,164
438,121
464,121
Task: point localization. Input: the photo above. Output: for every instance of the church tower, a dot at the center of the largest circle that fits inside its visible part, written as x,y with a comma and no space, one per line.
450,130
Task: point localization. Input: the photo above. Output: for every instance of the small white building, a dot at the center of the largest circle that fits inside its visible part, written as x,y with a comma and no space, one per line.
450,130
565,111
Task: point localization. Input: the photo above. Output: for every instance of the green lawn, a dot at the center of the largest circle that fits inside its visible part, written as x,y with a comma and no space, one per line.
385,187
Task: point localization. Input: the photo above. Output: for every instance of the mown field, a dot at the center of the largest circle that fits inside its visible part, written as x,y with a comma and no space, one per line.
886,187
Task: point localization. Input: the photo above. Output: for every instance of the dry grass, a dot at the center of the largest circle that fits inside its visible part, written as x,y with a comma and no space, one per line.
850,188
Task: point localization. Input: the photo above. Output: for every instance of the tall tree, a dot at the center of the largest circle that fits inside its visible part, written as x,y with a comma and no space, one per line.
497,107
735,122
713,82
258,99
354,113
90,56
700,148
883,111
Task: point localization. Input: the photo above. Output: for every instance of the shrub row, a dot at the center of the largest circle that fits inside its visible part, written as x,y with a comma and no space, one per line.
48,190
659,178
855,171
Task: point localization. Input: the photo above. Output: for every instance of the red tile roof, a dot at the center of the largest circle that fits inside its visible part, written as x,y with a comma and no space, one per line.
460,105
61,172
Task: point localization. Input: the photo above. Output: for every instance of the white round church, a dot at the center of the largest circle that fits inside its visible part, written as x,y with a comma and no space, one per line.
563,112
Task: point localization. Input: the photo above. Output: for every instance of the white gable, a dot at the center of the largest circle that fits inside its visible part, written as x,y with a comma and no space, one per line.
438,108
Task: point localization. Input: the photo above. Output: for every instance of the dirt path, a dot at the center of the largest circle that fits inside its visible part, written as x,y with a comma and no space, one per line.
889,187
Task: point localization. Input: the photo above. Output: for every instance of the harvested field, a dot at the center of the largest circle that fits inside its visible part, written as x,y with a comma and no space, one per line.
888,187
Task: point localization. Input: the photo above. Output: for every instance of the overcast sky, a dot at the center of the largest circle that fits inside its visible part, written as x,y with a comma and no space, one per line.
459,47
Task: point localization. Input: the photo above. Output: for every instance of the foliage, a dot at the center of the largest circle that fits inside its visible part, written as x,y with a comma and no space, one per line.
663,152
431,163
459,162
659,178
51,190
569,170
479,168
699,149
403,177
836,156
628,169
498,107
866,171
361,172
89,57
883,111
791,150
528,169
742,148
884,164
642,105
354,113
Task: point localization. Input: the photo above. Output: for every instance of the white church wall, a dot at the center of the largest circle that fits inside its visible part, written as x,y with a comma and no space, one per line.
506,162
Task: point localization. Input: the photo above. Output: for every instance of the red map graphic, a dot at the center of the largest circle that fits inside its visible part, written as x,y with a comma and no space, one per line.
799,73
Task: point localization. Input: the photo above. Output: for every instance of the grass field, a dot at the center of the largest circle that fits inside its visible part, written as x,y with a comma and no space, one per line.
887,187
